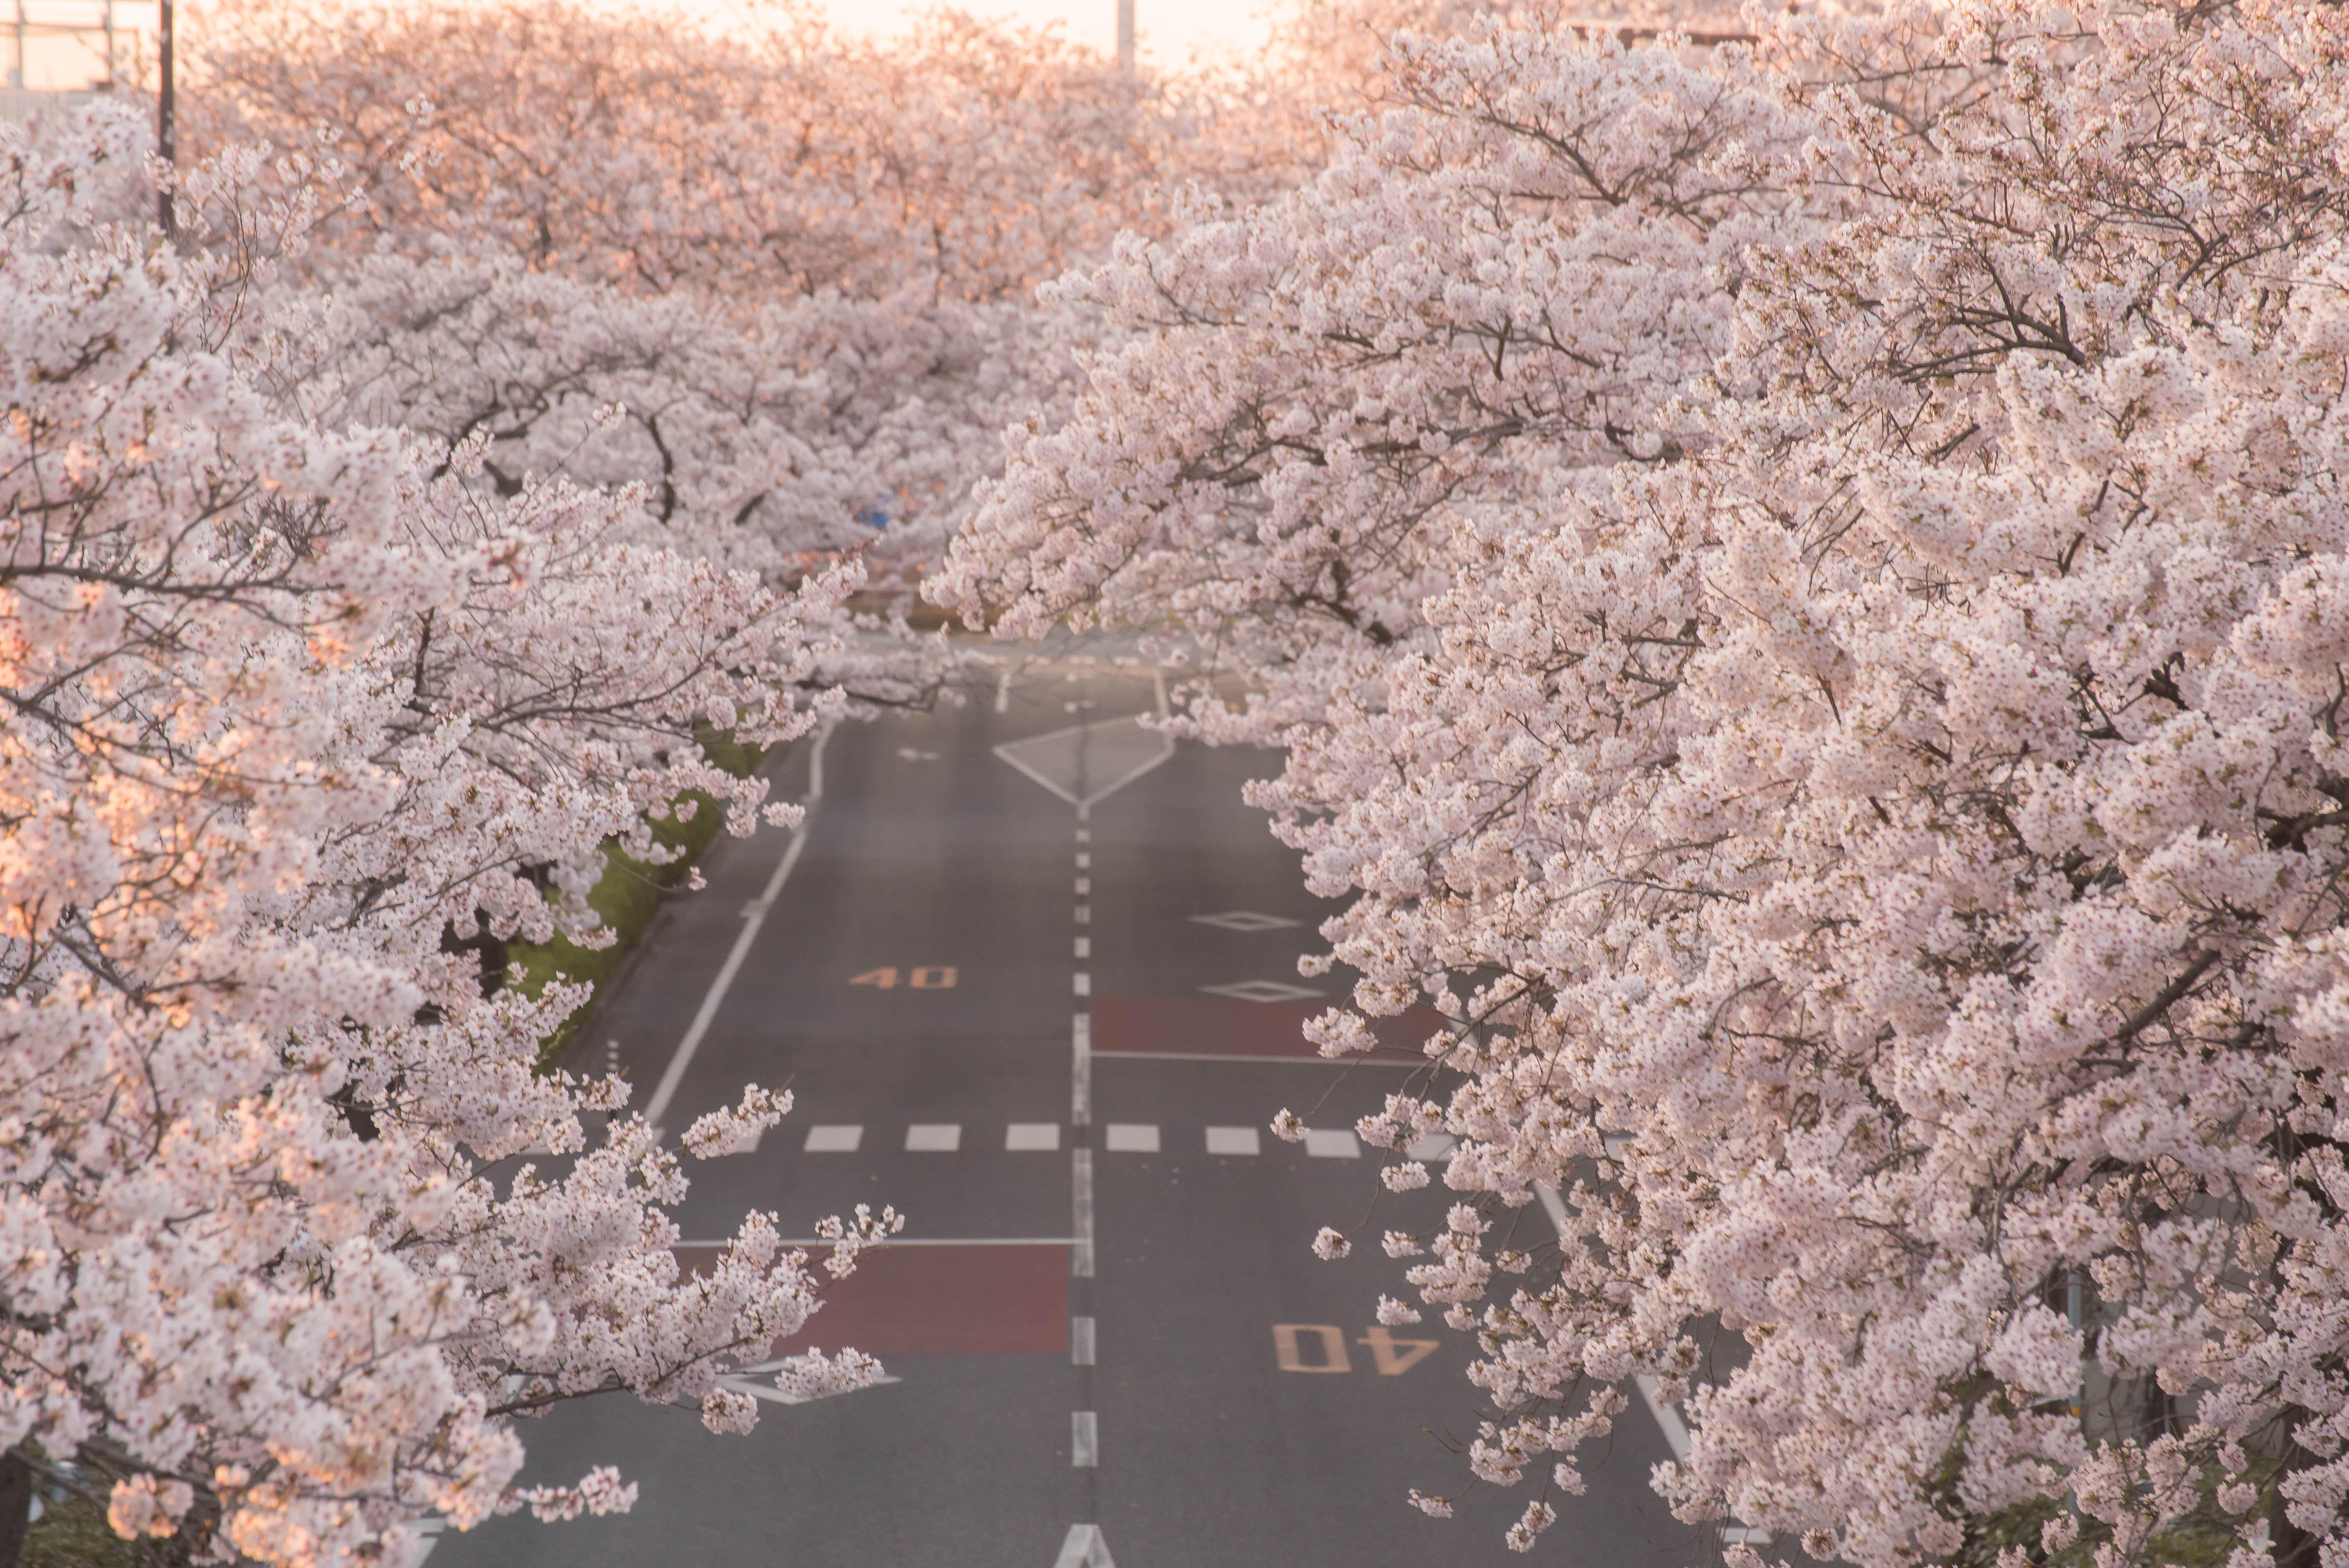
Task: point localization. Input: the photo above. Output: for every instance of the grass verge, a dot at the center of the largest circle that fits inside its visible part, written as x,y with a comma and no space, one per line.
626,896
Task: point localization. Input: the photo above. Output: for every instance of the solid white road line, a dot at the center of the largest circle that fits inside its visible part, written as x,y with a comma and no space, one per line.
1234,1140
769,1392
1023,1136
1081,1342
1328,1144
934,1137
1675,1431
1132,1138
1349,1064
1084,1440
913,1241
835,1139
1084,1548
1081,1070
1080,1255
755,916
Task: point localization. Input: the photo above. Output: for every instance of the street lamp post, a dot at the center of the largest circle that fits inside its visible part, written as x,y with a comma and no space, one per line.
167,107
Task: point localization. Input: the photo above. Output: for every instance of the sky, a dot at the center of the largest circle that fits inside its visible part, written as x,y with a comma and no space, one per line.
1171,31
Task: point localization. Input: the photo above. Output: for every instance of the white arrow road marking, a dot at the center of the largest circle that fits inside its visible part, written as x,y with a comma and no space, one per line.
1086,1547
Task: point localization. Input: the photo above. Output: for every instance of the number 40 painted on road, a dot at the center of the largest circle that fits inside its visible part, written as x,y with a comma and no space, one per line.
1326,1341
930,977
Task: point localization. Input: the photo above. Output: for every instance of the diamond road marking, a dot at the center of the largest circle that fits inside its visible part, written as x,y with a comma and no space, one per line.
835,1140
1242,920
1087,763
1132,1138
1032,1135
1262,991
1332,1145
1234,1140
934,1137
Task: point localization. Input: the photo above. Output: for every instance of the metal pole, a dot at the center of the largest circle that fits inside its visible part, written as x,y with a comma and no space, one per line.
1124,36
166,109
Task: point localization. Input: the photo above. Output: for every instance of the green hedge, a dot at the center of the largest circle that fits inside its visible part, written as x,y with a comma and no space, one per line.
627,895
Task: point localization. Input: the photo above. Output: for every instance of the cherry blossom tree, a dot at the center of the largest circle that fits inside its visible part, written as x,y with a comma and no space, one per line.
294,711
1851,738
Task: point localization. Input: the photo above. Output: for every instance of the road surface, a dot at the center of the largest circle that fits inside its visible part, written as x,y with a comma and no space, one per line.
1032,977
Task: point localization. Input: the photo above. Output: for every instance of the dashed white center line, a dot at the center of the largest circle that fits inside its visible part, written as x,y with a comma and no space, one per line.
1085,835
1084,915
1085,885
1084,860
1085,983
835,1140
1132,1138
1023,1136
1234,1140
1081,1254
1081,1070
1081,1342
1338,1144
934,1137
1084,1440
1085,947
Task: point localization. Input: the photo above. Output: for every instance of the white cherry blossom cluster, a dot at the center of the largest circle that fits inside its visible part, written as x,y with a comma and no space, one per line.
1807,591
295,711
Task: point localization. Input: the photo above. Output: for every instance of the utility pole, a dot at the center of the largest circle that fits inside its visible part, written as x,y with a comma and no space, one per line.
167,107
1124,34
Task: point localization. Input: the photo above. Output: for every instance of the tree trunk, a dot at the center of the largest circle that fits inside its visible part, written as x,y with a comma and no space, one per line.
15,1506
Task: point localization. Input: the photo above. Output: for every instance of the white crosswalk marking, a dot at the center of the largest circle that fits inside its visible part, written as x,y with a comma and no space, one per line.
1332,1145
1234,1140
835,1140
934,1137
1132,1138
1030,1135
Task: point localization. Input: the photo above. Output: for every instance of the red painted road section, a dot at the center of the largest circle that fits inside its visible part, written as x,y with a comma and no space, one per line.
1009,1299
1222,1027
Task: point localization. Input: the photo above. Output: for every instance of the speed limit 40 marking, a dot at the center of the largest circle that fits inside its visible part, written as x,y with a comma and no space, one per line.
923,978
1321,1347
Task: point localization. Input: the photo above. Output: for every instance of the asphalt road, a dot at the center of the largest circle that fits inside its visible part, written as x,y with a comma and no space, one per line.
1111,1344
